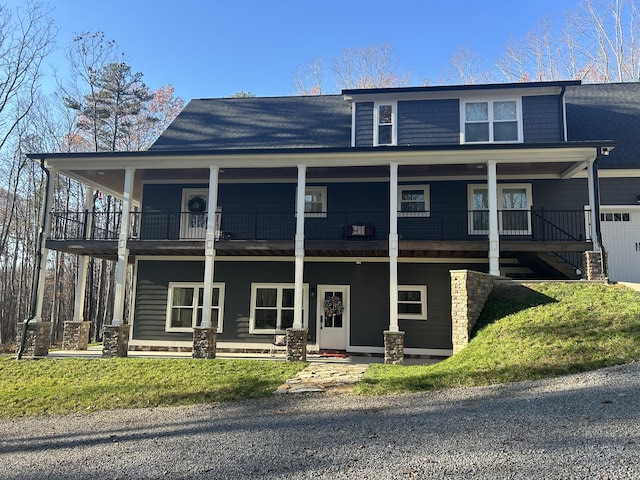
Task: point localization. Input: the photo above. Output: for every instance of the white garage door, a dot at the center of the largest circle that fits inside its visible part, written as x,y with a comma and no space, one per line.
620,228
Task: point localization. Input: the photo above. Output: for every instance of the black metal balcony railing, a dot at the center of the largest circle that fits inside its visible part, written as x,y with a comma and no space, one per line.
434,225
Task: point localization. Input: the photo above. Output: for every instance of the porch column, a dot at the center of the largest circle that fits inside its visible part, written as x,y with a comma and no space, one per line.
37,335
494,234
116,335
297,335
76,331
393,338
205,336
299,248
593,204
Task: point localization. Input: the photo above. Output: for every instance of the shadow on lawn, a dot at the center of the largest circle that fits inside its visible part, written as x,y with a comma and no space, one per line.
507,300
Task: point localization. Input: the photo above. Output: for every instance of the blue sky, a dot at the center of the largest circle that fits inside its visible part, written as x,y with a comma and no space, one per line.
215,48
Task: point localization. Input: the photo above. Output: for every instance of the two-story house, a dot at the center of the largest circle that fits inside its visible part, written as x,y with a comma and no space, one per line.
340,216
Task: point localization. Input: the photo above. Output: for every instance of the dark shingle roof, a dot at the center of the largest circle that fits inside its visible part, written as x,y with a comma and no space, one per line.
259,122
608,112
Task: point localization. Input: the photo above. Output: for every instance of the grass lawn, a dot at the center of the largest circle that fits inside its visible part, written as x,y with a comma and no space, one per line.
523,333
49,386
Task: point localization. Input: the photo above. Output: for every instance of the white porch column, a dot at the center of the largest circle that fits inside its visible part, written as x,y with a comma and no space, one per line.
494,234
83,260
393,248
44,251
299,248
210,247
593,205
123,251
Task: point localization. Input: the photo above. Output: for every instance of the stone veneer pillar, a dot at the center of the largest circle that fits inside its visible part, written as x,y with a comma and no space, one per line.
36,343
204,342
115,341
469,292
393,348
297,344
593,266
75,335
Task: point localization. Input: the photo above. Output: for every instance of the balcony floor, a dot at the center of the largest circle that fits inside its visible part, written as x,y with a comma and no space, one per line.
108,249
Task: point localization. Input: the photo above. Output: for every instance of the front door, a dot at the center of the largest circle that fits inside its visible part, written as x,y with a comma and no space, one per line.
333,317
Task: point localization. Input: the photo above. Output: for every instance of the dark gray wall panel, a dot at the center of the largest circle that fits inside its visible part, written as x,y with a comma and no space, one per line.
619,191
364,124
369,284
542,119
429,122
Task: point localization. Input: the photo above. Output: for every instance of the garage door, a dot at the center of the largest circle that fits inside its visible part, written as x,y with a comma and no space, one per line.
620,228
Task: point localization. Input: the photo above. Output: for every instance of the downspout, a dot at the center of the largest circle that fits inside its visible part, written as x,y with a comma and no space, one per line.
37,268
596,186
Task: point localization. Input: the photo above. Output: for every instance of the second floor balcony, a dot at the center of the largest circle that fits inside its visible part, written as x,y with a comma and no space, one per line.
334,228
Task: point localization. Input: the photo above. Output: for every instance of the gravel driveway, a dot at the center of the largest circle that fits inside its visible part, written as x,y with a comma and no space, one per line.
580,426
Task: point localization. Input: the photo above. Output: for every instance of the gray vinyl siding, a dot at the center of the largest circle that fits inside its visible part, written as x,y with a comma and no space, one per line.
364,124
542,119
369,287
619,191
429,122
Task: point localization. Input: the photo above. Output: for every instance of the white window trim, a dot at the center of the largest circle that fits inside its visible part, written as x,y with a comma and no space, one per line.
279,287
394,123
194,285
427,201
501,186
322,189
490,101
423,302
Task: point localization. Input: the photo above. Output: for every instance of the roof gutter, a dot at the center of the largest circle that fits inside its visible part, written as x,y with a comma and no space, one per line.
39,260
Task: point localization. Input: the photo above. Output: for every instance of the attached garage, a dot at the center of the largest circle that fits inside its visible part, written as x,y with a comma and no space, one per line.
620,226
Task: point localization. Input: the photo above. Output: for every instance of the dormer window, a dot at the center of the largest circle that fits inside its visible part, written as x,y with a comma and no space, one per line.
384,120
491,121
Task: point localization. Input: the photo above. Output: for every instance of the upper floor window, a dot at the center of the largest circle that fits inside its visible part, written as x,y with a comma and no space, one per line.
385,124
491,121
413,200
514,209
315,201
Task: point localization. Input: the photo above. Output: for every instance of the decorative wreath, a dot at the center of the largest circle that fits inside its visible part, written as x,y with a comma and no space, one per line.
333,306
197,205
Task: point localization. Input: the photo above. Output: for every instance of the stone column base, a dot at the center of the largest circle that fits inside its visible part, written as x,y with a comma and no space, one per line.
75,335
593,264
393,348
204,342
297,344
36,343
115,341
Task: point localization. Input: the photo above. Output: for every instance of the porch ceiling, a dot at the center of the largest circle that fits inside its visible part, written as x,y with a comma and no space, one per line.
105,171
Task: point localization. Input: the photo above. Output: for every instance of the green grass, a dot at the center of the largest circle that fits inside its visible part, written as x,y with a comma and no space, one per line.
52,386
523,333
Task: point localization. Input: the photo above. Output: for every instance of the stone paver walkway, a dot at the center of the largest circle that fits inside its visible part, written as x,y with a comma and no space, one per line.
324,377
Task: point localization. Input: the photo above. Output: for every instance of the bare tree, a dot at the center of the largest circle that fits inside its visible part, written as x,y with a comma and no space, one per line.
309,79
466,67
26,38
369,67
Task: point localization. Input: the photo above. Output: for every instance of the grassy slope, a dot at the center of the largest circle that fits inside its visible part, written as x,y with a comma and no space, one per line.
526,333
47,386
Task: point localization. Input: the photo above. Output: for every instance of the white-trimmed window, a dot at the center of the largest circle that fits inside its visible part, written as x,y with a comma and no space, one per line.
412,302
413,201
184,306
384,122
272,307
514,209
497,121
315,201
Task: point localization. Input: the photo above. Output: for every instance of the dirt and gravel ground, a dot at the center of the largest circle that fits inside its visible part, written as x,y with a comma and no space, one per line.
580,426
